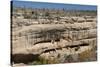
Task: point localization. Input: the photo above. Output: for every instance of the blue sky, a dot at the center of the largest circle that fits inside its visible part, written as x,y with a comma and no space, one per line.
32,4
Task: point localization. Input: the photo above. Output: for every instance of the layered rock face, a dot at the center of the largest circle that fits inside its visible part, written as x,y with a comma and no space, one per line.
54,41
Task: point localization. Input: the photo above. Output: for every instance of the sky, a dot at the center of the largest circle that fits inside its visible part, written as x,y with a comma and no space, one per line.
32,4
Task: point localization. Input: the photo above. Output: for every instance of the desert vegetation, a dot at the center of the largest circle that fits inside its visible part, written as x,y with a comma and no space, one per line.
51,36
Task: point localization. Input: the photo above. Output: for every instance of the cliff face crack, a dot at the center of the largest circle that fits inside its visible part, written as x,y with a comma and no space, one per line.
67,48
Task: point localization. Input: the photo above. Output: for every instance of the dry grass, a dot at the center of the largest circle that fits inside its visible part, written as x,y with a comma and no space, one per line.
45,61
88,55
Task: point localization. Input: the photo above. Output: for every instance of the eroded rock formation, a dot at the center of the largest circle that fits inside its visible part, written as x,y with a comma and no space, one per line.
54,41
